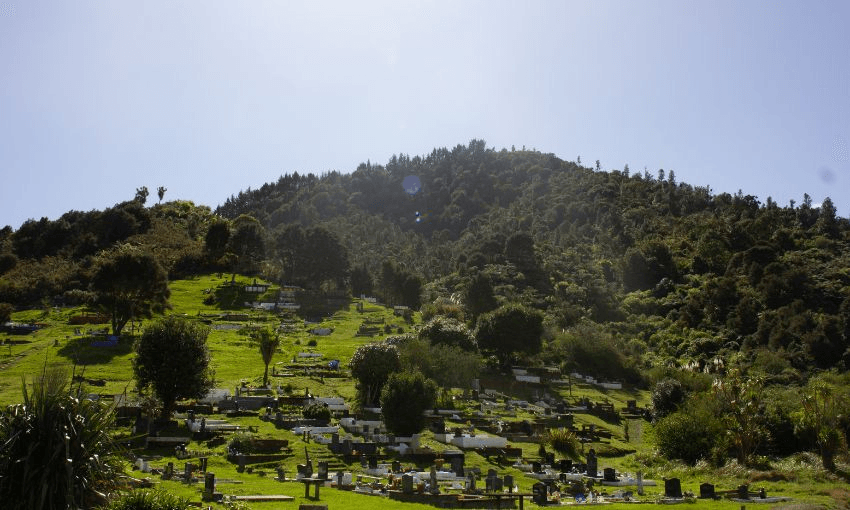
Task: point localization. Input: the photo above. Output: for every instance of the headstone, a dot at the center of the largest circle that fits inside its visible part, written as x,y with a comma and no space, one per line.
536,467
433,482
539,493
407,484
373,462
187,471
281,474
209,483
609,474
566,465
744,491
706,491
591,463
672,488
339,476
470,479
550,458
396,466
347,447
203,464
168,474
640,483
509,483
335,438
241,461
457,466
323,470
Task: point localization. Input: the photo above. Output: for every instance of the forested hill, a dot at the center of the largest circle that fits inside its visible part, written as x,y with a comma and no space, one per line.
664,266
660,272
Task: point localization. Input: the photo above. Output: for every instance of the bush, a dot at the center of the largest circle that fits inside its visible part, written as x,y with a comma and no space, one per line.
317,411
690,435
667,396
148,500
404,399
6,312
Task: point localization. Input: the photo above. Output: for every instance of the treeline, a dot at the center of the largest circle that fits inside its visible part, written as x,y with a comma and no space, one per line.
667,273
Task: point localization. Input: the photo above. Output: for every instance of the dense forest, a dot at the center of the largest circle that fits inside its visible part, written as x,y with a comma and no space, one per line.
654,273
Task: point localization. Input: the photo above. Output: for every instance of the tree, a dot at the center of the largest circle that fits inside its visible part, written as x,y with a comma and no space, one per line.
822,407
510,329
667,396
480,297
142,195
129,283
172,359
160,191
447,331
217,238
247,242
268,343
404,399
55,448
743,412
372,365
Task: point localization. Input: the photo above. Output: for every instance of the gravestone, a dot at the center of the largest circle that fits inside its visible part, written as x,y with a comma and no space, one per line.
323,470
565,466
203,464
209,483
396,466
457,466
539,493
673,488
241,461
188,468
373,462
407,484
281,474
640,483
706,491
168,474
536,467
339,476
335,438
509,483
591,463
470,486
435,489
744,491
609,474
550,458
347,447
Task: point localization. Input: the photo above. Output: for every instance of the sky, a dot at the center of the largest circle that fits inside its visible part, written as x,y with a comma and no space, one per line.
98,98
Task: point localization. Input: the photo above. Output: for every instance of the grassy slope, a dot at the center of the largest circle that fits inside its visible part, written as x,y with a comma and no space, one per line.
235,359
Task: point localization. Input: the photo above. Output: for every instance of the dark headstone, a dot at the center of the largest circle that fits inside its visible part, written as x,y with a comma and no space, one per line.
609,474
591,463
241,461
203,464
407,484
509,483
565,466
457,466
209,483
168,474
536,467
373,462
706,491
540,493
744,491
396,467
672,488
323,470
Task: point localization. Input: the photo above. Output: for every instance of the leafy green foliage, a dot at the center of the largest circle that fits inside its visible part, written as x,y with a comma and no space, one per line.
508,330
450,332
267,342
129,283
55,448
450,366
667,396
564,441
173,359
404,399
371,365
690,434
153,499
821,415
317,411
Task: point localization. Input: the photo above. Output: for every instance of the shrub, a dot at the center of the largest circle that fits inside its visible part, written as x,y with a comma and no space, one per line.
148,500
404,399
667,396
317,411
689,434
6,312
563,441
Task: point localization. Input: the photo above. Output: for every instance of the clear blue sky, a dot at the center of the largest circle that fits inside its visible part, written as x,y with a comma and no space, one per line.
209,98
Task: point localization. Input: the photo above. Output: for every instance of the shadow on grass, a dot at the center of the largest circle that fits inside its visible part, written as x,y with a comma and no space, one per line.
81,352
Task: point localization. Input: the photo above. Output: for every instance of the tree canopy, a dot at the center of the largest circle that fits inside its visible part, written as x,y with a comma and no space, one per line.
129,283
173,360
